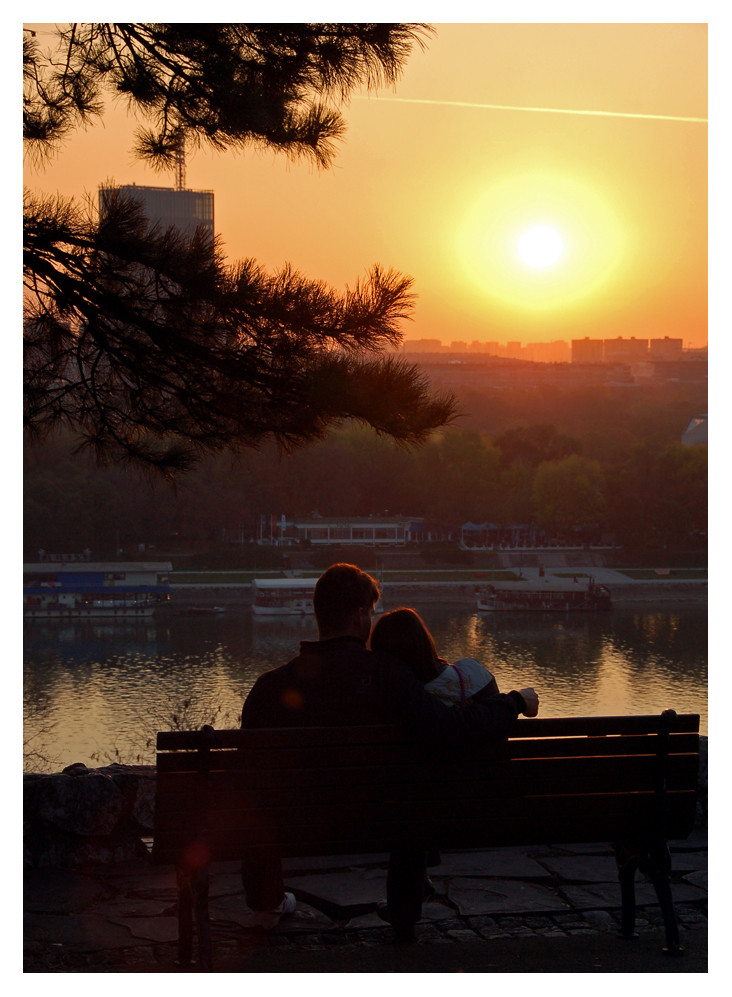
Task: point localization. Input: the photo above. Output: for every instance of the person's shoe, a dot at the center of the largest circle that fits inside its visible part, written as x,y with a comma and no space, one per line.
428,889
269,919
286,906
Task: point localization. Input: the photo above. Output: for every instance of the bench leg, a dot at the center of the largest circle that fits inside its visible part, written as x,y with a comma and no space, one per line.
203,925
627,862
193,908
185,917
654,860
657,865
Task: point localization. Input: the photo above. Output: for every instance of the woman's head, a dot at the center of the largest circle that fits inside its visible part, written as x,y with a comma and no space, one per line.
403,634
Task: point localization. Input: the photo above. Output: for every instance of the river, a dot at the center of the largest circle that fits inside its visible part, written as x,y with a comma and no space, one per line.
97,692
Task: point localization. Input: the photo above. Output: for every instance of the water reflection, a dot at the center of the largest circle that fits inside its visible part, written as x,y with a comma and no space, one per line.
96,692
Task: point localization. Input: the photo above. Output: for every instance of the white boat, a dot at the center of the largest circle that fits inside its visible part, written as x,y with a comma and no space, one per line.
490,599
283,596
286,597
94,590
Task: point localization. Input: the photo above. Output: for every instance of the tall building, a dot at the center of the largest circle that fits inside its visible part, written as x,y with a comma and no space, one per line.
422,345
587,350
621,350
555,352
186,210
666,349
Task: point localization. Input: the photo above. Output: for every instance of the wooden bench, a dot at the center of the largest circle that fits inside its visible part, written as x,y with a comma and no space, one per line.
630,781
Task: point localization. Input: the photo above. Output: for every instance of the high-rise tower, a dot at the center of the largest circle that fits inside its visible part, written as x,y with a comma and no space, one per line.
170,206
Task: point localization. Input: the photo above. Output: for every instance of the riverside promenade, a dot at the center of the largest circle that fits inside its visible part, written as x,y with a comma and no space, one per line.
507,910
233,588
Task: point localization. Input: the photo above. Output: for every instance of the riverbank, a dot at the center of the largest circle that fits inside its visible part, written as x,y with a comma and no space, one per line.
634,587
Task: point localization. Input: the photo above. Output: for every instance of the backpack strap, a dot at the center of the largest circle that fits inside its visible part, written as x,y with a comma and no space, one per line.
462,685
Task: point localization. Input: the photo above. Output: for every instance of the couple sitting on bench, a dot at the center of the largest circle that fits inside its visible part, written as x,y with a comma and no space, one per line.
338,681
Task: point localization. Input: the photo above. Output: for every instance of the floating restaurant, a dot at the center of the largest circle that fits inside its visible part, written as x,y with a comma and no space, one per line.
92,590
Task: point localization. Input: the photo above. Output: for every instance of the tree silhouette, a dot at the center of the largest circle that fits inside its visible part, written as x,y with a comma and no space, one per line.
146,342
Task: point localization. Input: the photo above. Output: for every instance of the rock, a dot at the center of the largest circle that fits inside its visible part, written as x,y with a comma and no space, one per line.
86,816
76,768
88,804
137,785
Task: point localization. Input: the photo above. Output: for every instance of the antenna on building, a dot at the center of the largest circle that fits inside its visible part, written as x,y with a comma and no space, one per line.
180,160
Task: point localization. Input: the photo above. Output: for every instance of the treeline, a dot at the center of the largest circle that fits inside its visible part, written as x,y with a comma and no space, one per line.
597,462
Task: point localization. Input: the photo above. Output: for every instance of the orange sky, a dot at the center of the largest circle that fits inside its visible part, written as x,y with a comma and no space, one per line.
443,191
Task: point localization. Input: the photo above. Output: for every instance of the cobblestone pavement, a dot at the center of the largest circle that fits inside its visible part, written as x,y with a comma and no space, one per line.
551,909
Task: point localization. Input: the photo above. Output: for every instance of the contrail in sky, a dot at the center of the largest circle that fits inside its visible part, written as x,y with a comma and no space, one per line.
542,110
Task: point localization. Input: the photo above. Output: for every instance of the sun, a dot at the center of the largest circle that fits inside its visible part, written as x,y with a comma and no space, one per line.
540,242
540,246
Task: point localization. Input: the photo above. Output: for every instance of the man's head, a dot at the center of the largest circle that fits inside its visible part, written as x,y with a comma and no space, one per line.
343,600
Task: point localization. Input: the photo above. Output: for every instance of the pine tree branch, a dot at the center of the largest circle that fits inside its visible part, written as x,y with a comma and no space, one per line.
147,343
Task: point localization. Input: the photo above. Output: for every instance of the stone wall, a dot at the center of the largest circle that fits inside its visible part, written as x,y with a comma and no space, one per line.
87,816
84,816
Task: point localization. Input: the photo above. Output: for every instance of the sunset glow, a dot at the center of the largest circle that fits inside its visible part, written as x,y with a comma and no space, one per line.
597,131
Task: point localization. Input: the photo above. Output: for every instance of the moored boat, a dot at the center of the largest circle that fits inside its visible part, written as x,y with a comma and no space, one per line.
94,590
548,599
286,597
283,596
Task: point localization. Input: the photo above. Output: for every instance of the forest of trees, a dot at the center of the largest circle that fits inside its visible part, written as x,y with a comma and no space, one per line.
590,460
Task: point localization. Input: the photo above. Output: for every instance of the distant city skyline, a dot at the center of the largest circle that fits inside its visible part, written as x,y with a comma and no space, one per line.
618,349
536,181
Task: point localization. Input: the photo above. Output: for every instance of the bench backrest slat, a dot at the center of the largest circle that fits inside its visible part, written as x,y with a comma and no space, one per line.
346,757
303,736
368,781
